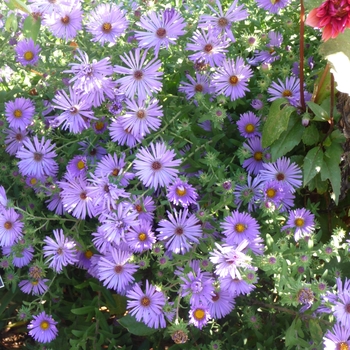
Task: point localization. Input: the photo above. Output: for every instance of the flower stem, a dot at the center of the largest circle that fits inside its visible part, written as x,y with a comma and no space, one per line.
301,52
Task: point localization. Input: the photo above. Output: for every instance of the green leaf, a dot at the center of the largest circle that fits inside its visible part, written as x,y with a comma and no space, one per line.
312,164
276,122
311,4
83,310
19,5
288,139
320,113
11,23
311,135
135,327
331,169
315,330
31,27
320,186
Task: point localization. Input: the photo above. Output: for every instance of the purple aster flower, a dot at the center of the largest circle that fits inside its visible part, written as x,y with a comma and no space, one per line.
142,76
306,297
199,286
93,152
36,158
155,166
289,90
284,171
77,166
162,29
231,79
199,315
180,231
110,165
248,125
14,140
302,221
106,23
209,48
141,237
100,126
228,259
10,227
147,306
84,259
61,251
77,111
221,304
105,194
118,223
47,7
181,193
65,22
100,243
257,104
3,198
255,163
122,135
20,252
338,339
27,53
76,196
43,328
223,22
141,116
277,195
248,194
114,270
199,85
144,206
55,204
342,308
236,286
19,113
272,6
91,79
238,227
34,287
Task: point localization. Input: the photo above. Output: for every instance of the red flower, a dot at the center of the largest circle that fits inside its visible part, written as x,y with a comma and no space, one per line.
333,16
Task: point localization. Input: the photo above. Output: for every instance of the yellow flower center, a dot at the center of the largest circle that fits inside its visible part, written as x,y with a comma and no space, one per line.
249,128
180,191
33,181
80,165
17,113
44,325
28,56
343,346
99,125
240,228
258,156
299,222
8,225
145,301
271,193
287,93
34,283
88,254
142,236
273,2
233,80
106,27
199,314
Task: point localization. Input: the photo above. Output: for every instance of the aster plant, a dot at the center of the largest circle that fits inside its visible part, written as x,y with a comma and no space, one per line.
174,175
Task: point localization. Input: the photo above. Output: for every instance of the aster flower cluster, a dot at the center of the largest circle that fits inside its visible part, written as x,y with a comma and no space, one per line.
134,182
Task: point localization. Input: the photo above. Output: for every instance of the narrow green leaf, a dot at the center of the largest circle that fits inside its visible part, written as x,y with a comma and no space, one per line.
311,4
11,23
83,310
312,164
288,139
135,327
320,113
31,27
277,121
315,330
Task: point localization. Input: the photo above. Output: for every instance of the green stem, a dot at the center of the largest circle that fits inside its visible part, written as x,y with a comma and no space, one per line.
301,52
